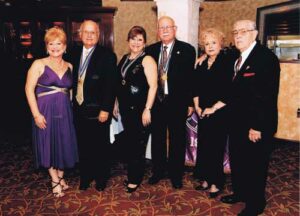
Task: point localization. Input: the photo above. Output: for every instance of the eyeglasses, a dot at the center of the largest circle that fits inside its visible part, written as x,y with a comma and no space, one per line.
93,33
168,28
241,32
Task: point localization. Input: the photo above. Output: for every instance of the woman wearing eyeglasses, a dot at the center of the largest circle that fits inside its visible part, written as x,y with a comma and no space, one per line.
212,80
137,87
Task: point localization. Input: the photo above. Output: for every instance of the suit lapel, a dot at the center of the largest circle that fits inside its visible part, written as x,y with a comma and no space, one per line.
248,61
174,56
157,52
90,68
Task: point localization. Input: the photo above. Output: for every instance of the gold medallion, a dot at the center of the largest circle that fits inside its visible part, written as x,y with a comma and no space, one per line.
164,77
123,82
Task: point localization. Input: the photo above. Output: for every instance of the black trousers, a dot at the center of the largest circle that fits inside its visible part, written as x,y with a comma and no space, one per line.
172,116
136,137
94,147
249,164
212,139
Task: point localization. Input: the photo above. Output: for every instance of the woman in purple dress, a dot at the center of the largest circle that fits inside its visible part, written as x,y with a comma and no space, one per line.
48,85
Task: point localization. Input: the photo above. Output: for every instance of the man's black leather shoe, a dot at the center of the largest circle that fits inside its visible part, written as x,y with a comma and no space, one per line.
154,179
231,199
100,186
253,210
201,188
214,194
248,212
84,186
177,184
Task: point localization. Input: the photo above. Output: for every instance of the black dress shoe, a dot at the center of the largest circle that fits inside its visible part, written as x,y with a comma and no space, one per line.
84,186
247,212
214,194
177,184
154,179
201,188
231,199
254,209
100,186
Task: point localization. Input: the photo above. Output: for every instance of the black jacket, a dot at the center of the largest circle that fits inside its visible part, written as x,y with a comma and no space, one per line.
100,80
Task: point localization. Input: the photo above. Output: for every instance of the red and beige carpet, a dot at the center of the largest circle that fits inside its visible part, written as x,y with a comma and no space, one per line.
24,191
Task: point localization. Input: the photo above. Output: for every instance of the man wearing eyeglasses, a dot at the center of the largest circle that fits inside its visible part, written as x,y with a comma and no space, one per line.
94,82
175,60
253,118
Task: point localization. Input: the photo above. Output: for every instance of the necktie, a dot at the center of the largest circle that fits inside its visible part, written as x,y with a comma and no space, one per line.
237,66
79,95
162,74
85,54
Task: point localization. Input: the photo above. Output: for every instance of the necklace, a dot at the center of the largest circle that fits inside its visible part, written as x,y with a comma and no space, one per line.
126,66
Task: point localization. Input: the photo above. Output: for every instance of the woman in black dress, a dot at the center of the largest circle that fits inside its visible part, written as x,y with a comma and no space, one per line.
212,80
135,96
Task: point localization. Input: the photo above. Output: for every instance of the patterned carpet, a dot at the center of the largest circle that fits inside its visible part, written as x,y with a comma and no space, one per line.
24,191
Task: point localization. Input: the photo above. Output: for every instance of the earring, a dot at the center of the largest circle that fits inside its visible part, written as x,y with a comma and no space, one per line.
65,51
47,52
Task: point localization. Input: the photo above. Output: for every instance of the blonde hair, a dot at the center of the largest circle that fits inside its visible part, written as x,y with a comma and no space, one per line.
212,31
55,33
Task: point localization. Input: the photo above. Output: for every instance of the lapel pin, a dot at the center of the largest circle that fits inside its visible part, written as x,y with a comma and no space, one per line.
178,52
247,67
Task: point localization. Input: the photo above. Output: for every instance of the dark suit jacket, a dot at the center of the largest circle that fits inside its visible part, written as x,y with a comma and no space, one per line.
180,71
100,80
253,97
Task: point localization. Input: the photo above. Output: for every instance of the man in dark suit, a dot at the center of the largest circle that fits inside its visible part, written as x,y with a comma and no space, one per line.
94,78
175,60
253,118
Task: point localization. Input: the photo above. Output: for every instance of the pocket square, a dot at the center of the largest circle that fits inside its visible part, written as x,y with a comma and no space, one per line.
248,74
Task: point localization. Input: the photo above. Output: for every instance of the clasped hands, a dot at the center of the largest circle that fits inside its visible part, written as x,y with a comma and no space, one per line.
103,116
254,135
206,113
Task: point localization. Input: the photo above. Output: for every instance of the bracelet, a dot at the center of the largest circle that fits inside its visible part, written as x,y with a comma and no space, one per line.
147,108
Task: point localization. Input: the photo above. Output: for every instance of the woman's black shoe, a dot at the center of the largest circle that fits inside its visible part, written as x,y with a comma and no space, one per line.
201,188
131,190
214,194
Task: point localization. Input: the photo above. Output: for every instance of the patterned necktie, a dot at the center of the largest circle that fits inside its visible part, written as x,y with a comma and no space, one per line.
237,66
162,74
79,95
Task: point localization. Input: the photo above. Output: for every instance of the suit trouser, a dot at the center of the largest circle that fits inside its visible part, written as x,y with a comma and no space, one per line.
94,148
171,116
136,136
249,164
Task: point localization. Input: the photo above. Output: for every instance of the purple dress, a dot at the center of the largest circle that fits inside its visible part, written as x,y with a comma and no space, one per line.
55,146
